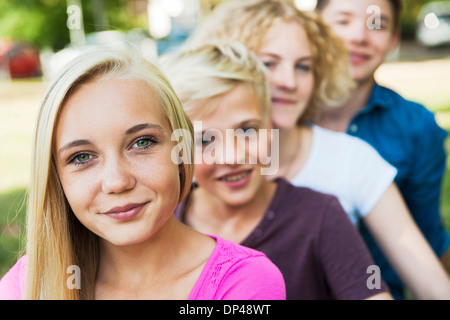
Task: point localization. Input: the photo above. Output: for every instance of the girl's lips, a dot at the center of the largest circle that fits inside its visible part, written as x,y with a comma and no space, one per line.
127,212
236,179
283,101
357,58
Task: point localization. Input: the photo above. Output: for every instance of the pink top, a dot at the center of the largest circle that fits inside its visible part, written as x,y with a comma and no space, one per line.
232,272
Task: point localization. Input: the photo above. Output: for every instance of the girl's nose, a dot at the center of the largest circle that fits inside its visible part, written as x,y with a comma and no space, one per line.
284,77
116,177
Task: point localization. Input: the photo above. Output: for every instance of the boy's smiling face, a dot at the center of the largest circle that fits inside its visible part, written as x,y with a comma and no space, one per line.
367,28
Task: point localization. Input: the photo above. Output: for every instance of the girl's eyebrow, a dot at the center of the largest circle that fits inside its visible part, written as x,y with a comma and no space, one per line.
345,13
263,53
73,144
132,130
248,122
143,126
239,125
275,56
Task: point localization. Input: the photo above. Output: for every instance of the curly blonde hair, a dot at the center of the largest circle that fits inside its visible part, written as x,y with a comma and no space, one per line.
249,22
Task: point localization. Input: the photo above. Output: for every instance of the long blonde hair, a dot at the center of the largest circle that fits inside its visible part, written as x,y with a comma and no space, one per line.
55,237
249,22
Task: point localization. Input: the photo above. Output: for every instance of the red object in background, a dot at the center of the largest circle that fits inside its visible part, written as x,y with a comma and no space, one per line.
20,58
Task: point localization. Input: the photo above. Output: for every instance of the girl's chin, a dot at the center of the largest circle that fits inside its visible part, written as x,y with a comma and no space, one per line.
284,125
237,201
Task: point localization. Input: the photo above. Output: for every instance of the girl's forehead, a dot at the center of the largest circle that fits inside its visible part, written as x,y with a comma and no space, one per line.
111,103
287,35
238,105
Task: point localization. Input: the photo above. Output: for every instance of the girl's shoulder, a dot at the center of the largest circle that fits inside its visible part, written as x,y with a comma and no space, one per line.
12,283
236,272
337,139
343,148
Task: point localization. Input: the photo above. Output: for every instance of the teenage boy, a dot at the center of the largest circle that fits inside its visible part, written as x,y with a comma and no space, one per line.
404,133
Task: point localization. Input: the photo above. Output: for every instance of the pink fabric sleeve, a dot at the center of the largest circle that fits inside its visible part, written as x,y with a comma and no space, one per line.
235,272
252,279
12,283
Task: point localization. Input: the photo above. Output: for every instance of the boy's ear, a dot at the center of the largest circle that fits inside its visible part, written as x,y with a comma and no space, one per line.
395,40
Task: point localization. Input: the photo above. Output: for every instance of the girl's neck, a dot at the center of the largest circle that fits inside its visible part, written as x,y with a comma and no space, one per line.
211,215
154,263
295,147
339,118
146,255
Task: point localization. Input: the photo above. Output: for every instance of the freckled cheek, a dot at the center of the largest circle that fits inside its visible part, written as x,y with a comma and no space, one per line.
80,193
157,174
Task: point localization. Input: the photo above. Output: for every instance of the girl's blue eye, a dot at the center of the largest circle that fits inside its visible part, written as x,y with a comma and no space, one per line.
247,129
269,64
342,22
144,143
207,141
303,67
204,140
80,158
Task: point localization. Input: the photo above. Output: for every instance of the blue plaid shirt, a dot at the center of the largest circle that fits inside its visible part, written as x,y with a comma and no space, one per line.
405,133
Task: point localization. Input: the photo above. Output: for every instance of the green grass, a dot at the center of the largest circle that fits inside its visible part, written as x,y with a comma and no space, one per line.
12,227
19,101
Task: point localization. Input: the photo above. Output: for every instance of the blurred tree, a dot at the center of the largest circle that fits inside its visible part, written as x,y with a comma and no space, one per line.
100,15
411,9
44,21
40,21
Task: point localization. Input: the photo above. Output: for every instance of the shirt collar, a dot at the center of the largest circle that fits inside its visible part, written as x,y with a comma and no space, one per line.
380,97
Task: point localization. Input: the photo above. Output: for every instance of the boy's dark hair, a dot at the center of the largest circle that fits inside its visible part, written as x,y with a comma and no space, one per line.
396,6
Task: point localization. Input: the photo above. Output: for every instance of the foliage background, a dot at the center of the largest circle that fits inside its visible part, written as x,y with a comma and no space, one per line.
40,21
